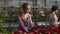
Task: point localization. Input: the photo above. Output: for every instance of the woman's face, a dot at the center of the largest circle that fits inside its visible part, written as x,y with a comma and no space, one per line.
56,11
27,9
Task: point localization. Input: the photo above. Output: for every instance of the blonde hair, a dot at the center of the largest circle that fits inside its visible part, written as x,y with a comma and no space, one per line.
22,10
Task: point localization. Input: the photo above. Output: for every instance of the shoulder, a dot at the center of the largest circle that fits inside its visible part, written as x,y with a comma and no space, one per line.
51,15
19,16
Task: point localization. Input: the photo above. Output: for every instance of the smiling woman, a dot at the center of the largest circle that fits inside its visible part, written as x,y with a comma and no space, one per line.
53,19
25,20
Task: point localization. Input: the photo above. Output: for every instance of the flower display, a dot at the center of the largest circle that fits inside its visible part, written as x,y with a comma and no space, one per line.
32,32
43,30
18,32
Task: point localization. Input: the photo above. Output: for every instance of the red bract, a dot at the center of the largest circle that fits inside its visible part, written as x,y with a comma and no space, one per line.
36,27
18,32
55,29
49,32
42,29
32,33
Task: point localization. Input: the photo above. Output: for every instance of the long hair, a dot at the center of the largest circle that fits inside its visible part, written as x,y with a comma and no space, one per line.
22,10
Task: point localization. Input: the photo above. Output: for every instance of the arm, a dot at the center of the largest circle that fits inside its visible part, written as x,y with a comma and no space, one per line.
22,24
31,23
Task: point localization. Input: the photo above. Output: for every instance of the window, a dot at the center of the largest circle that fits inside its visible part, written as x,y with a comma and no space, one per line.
26,1
40,3
58,3
1,3
49,3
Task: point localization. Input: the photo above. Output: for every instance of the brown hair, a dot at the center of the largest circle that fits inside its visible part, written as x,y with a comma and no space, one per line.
22,9
54,8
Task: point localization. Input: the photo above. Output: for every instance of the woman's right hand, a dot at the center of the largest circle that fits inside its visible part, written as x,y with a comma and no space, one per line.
25,33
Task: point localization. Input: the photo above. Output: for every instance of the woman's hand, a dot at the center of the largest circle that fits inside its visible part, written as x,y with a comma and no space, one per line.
25,33
58,23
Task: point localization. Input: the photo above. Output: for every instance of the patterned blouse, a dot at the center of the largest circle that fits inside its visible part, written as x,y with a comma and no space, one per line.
27,23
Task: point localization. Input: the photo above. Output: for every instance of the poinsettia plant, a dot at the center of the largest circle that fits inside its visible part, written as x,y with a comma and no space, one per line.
43,30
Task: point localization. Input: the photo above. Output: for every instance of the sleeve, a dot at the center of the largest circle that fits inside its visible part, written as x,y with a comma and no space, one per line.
22,24
31,23
51,19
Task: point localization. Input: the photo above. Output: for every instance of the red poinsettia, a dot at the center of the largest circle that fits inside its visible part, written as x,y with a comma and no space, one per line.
32,32
18,32
55,29
42,29
36,27
49,30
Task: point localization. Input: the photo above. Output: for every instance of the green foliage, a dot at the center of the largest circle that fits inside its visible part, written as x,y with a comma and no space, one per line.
47,12
10,15
2,30
36,14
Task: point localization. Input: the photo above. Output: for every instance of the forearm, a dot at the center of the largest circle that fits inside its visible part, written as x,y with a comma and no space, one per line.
25,29
22,25
31,23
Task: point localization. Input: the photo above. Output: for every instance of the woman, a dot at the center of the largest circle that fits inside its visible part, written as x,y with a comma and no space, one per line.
53,20
25,18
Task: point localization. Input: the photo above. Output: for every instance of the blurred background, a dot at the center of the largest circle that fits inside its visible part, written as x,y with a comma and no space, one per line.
40,10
